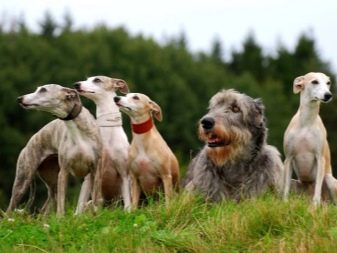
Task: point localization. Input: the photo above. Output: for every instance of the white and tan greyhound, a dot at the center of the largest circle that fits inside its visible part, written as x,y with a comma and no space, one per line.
305,141
115,175
73,139
152,163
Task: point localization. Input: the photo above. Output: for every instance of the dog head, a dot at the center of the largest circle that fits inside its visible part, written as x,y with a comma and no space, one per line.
313,86
60,101
139,107
234,122
97,86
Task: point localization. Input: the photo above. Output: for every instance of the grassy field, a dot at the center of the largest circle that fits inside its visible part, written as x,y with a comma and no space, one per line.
188,225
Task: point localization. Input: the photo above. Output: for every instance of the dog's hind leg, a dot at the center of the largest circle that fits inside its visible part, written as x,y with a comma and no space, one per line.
25,170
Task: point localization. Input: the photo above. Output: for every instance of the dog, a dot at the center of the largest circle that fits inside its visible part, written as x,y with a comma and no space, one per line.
306,147
152,163
236,161
72,140
115,176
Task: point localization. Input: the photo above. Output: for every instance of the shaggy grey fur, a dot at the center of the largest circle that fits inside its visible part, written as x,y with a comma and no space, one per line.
250,166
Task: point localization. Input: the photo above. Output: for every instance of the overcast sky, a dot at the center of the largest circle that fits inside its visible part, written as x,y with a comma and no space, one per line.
272,21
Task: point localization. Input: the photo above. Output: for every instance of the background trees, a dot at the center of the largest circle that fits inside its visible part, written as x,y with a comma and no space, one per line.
179,80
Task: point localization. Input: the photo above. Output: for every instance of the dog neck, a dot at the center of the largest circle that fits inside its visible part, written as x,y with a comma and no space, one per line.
308,111
75,111
107,112
141,128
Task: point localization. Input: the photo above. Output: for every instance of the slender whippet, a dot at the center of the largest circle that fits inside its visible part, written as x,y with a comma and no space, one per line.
151,162
115,176
305,141
73,137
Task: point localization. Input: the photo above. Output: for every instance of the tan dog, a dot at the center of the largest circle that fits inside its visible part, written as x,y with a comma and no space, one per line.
305,141
151,161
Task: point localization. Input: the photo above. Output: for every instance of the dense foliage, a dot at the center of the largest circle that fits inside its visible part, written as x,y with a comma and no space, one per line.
179,80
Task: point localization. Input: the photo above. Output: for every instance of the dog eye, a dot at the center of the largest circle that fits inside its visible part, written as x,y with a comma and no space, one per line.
135,97
42,90
96,80
314,82
235,109
328,83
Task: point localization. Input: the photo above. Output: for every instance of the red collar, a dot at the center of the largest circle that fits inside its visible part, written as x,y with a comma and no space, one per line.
142,127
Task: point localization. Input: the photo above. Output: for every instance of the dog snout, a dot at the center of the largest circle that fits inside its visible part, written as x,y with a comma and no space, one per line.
327,96
117,99
77,85
207,123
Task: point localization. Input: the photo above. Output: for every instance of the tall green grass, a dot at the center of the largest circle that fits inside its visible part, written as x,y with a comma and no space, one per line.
266,224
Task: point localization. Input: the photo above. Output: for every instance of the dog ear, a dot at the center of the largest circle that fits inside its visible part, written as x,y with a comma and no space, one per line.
122,86
156,110
298,84
259,119
71,94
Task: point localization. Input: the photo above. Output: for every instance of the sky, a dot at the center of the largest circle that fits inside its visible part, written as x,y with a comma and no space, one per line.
273,22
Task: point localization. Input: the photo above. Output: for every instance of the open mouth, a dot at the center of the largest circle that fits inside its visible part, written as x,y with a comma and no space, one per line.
28,106
214,141
84,91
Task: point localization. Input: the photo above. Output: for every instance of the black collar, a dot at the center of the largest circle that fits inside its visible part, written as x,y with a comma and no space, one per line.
74,112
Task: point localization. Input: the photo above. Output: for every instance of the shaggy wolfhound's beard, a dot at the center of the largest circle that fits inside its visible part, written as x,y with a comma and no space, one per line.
224,144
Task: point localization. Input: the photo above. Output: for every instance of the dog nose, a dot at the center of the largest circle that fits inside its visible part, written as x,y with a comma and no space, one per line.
77,85
207,123
327,96
19,99
117,99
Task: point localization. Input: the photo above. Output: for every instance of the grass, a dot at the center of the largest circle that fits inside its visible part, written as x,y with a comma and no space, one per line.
266,224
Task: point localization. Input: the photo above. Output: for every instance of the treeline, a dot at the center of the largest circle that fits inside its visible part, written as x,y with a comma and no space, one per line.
179,80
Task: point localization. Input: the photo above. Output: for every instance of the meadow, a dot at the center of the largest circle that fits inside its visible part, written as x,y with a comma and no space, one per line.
188,224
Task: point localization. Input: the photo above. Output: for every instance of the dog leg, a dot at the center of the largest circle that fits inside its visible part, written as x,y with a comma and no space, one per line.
23,178
319,181
135,192
168,188
84,194
126,193
331,184
61,191
287,178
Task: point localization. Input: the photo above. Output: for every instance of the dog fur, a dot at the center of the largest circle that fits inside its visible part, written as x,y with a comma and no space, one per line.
73,139
152,163
305,140
236,161
115,175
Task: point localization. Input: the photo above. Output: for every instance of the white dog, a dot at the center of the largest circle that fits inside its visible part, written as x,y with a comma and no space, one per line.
305,141
115,179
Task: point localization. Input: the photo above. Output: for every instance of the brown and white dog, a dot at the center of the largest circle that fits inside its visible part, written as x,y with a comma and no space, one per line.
151,161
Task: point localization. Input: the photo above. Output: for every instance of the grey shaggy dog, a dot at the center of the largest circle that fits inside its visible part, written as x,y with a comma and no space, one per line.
236,161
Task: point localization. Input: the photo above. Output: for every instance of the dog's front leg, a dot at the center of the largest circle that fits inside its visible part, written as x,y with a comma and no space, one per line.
126,192
168,188
135,191
84,194
319,180
287,178
61,191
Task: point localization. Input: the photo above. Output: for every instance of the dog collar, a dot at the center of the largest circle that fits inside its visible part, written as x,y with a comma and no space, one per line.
142,127
110,120
74,112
